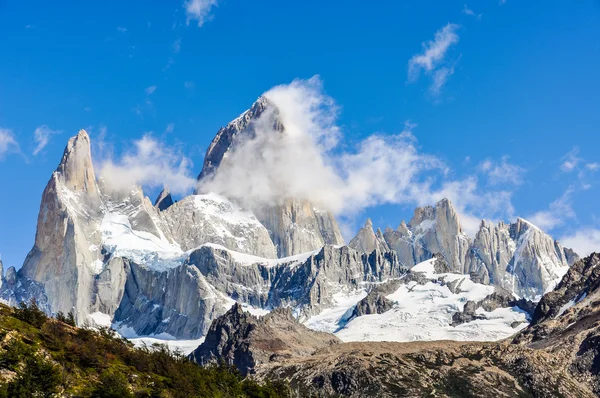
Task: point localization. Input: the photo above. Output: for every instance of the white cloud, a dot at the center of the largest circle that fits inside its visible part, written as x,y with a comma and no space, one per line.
584,241
151,164
502,172
199,10
570,160
307,162
41,136
467,11
150,90
440,77
557,213
170,128
593,166
432,57
190,85
8,143
121,29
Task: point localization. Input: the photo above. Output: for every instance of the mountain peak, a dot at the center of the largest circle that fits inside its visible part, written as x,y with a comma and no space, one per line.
226,136
164,200
75,168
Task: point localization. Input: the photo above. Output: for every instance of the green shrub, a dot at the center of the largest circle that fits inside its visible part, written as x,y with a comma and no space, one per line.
112,384
38,378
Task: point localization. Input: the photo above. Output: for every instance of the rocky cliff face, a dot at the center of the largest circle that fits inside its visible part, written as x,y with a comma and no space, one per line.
297,227
518,257
67,241
367,240
163,200
199,219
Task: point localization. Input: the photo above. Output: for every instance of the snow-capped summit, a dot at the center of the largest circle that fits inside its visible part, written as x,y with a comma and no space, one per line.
519,257
295,225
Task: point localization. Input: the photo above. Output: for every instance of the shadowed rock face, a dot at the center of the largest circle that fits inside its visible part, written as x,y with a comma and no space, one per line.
164,200
247,341
227,136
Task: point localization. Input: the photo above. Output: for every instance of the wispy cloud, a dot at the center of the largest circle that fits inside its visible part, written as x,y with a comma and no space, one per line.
170,128
177,46
557,213
8,142
121,29
571,160
467,11
190,85
150,90
432,60
307,162
502,172
584,241
199,10
41,136
593,166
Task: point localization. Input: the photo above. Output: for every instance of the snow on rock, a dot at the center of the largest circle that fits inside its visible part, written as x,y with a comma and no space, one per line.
422,311
144,248
211,218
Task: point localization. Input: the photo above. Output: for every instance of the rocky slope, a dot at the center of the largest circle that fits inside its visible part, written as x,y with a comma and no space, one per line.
427,303
557,356
247,341
518,257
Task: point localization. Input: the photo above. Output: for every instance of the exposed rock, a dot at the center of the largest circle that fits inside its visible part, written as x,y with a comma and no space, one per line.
376,301
226,137
68,257
518,257
183,300
247,341
164,200
367,240
296,227
62,257
582,281
199,219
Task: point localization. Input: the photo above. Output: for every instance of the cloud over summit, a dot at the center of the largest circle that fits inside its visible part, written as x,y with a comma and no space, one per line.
307,161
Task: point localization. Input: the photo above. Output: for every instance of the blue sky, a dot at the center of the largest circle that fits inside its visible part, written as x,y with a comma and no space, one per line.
504,95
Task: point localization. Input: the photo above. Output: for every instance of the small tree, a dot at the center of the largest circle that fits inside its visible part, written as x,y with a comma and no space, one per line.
38,378
71,319
32,314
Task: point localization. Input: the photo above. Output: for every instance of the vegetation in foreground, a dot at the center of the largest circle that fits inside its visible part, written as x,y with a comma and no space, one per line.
46,357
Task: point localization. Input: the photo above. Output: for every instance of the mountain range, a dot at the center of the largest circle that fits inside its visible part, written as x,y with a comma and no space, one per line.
168,269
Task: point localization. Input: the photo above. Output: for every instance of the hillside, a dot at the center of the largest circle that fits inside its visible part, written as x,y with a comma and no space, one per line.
44,357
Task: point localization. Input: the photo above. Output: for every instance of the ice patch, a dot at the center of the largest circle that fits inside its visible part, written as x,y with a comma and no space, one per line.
100,319
144,248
